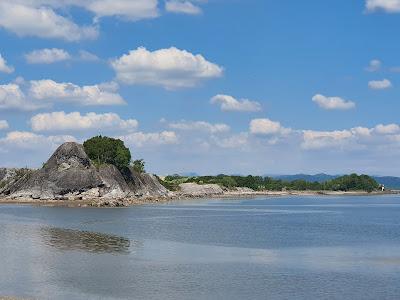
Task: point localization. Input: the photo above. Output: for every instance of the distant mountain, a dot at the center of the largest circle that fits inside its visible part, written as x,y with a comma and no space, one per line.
189,174
388,181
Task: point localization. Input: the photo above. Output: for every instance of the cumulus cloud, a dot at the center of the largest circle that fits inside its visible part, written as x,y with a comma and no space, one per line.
4,67
374,65
379,84
141,139
170,68
33,95
99,94
3,125
333,103
132,10
12,98
348,139
267,127
47,56
40,21
325,139
43,18
229,103
200,126
390,6
32,141
183,7
387,129
61,122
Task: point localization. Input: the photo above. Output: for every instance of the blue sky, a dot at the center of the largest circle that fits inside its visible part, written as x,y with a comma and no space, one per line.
261,87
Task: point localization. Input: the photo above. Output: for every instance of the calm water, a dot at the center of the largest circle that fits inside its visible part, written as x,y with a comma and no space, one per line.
282,248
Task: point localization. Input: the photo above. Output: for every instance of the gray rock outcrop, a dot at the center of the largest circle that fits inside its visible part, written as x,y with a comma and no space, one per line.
197,190
7,174
69,174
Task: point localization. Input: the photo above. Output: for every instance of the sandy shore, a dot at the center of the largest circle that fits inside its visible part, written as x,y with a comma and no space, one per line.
175,197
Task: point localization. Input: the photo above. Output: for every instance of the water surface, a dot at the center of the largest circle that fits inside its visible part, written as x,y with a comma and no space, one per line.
275,248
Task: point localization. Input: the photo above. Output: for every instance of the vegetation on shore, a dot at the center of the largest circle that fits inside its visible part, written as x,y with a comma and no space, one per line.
345,183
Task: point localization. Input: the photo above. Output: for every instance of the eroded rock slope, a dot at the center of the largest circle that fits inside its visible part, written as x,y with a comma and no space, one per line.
69,174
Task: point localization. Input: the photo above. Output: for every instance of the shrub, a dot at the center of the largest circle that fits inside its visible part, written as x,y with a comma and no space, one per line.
138,166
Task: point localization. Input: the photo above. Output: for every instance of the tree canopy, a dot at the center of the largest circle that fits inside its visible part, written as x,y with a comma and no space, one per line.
105,150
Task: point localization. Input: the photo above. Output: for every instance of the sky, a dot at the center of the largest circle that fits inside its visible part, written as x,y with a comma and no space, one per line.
218,86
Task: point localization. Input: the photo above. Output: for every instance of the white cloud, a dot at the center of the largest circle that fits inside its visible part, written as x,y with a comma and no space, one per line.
4,67
199,125
183,7
132,10
361,131
229,103
12,98
348,139
267,127
87,56
374,65
141,139
171,68
28,140
47,56
40,21
42,18
3,125
379,84
325,139
387,129
234,141
61,121
333,103
99,94
391,6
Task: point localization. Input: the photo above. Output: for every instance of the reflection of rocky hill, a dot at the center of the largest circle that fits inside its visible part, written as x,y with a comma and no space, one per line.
69,174
68,239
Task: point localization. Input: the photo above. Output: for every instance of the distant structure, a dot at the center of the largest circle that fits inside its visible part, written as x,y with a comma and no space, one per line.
382,187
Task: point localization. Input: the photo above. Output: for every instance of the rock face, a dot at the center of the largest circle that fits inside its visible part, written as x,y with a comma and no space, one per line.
196,190
7,174
69,174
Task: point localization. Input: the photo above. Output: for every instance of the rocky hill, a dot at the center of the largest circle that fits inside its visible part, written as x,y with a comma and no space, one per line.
70,175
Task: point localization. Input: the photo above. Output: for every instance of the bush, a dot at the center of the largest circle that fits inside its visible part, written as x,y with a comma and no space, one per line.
105,150
138,166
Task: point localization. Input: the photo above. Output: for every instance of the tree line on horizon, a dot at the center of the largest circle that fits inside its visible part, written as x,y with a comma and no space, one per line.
352,182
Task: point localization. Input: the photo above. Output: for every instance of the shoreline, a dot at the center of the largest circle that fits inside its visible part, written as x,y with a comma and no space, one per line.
128,202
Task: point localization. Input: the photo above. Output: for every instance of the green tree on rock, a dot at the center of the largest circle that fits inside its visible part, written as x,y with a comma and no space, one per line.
138,166
105,150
